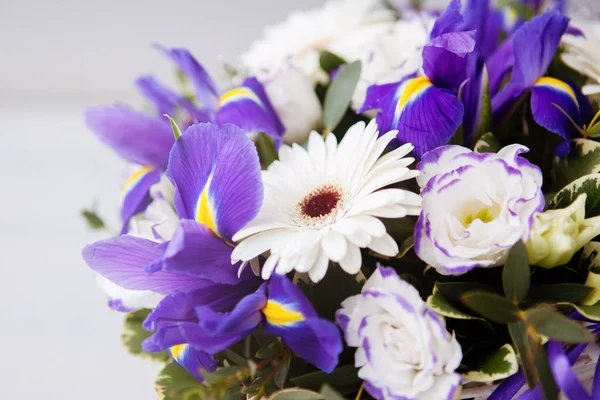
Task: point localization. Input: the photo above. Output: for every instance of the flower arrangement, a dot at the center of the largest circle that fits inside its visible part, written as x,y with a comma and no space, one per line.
386,202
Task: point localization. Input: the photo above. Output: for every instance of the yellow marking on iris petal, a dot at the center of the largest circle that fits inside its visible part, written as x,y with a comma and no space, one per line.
412,88
137,175
204,212
177,350
237,93
277,314
556,83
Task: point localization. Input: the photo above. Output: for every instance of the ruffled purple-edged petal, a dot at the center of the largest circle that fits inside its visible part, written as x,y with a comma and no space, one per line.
249,108
123,260
196,251
180,307
499,63
289,315
206,91
216,331
193,360
136,193
428,119
216,173
534,46
449,21
135,136
165,101
544,94
445,60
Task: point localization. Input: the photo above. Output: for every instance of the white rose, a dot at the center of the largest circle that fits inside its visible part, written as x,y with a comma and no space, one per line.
293,97
404,350
475,206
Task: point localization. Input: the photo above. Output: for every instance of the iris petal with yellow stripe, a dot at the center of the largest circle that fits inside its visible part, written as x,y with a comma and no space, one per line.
205,213
135,193
193,360
281,314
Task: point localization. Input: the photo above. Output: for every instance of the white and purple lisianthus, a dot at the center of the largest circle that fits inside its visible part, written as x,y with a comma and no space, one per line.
404,350
475,206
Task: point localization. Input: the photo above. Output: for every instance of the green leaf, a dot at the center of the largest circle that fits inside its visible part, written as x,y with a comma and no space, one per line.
558,293
330,61
331,394
438,303
589,184
93,220
339,94
454,290
235,358
552,324
499,365
584,159
174,127
492,306
487,144
175,383
282,373
485,121
296,394
516,275
589,257
266,149
533,359
592,312
345,379
133,335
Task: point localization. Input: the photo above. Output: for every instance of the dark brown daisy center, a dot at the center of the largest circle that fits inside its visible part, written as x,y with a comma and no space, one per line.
320,202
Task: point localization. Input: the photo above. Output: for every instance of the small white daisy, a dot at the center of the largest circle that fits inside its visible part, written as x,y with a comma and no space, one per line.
322,204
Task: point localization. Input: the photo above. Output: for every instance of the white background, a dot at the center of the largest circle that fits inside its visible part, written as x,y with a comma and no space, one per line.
58,340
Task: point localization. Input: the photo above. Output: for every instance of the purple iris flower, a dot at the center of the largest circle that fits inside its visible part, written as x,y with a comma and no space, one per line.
533,46
426,110
218,190
147,139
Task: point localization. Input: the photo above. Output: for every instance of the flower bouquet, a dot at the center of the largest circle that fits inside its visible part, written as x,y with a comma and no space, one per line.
384,202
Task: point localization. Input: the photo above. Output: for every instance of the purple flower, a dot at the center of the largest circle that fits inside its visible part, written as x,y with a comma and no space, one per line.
475,206
404,350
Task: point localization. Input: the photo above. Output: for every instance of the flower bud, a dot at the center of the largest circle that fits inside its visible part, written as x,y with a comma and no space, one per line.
557,234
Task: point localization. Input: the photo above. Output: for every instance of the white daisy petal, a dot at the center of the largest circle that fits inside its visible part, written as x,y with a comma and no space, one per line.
384,245
322,203
334,245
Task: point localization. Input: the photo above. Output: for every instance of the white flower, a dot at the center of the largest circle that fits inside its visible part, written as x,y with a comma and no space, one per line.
295,101
158,224
475,206
557,234
404,350
322,204
581,53
391,55
304,34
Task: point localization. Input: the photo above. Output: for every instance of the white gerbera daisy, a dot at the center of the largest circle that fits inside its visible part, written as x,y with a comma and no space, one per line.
322,204
304,34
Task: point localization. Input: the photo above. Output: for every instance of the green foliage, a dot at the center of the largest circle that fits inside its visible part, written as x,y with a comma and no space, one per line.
174,127
584,159
589,184
296,394
516,276
175,383
533,359
552,324
133,335
330,61
487,143
266,150
485,122
492,306
92,220
345,379
558,293
499,364
339,94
